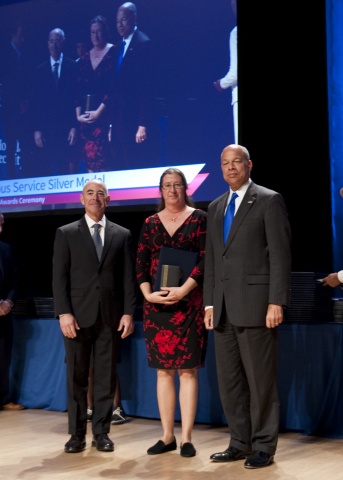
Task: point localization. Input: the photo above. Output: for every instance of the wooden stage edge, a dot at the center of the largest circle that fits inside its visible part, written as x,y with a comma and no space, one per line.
32,441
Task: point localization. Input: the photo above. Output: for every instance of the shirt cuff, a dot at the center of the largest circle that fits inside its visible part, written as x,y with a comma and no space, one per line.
340,276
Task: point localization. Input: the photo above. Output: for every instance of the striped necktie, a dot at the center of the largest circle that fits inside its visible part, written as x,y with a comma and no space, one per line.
97,239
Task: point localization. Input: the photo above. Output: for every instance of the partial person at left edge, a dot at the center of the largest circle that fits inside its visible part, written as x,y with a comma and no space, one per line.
16,85
8,294
94,292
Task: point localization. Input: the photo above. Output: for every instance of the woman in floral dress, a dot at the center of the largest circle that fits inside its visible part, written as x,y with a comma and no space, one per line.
96,68
175,337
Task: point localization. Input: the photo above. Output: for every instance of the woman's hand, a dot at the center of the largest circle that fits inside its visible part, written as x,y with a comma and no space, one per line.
174,294
161,297
90,116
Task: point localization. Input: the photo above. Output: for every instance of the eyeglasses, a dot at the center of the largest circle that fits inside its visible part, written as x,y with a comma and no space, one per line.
171,186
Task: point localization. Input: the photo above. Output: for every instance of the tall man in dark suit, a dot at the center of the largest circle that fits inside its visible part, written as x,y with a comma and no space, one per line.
94,300
8,294
131,97
246,287
54,107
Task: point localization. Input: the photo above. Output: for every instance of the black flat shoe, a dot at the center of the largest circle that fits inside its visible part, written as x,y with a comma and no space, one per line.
231,454
187,450
258,459
161,447
103,443
76,444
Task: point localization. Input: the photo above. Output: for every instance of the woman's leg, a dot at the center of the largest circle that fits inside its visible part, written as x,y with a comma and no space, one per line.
188,401
166,398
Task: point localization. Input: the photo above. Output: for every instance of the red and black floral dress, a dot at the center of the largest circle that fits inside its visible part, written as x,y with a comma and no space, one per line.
95,83
175,335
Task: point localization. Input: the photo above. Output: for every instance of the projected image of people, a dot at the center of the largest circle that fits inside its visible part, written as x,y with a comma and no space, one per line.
113,90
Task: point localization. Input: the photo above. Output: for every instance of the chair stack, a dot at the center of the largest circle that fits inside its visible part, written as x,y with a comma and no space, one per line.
310,300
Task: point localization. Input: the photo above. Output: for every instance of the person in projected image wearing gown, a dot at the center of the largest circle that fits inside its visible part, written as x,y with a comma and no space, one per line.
95,69
174,331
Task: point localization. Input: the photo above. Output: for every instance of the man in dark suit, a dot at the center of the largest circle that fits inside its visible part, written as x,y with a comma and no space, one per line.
131,95
54,107
8,293
246,287
94,300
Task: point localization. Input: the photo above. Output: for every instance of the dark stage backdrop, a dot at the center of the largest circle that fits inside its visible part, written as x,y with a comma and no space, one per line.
283,122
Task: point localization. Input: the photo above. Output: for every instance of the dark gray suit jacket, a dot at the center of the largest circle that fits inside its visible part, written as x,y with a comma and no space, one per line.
253,268
80,281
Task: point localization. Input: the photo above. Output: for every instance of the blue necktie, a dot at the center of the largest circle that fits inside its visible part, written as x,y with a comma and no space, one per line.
121,55
228,217
97,239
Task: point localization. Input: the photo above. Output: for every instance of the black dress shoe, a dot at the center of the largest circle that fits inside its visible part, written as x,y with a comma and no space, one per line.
258,459
102,442
76,443
161,447
187,450
231,454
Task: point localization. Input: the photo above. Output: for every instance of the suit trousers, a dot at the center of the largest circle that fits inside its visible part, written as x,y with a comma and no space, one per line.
99,342
246,369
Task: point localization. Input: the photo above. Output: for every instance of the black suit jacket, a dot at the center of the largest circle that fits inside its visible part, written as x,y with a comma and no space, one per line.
54,108
80,281
131,94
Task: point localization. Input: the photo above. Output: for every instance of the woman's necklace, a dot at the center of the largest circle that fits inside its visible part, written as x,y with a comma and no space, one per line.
99,53
175,215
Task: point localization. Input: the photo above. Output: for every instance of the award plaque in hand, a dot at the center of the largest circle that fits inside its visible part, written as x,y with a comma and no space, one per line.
91,103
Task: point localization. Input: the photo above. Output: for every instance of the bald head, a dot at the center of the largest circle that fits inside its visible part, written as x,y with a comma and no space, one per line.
236,165
235,147
55,42
126,19
95,198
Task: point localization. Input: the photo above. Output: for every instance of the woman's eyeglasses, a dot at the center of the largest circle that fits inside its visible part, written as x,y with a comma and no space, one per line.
171,186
